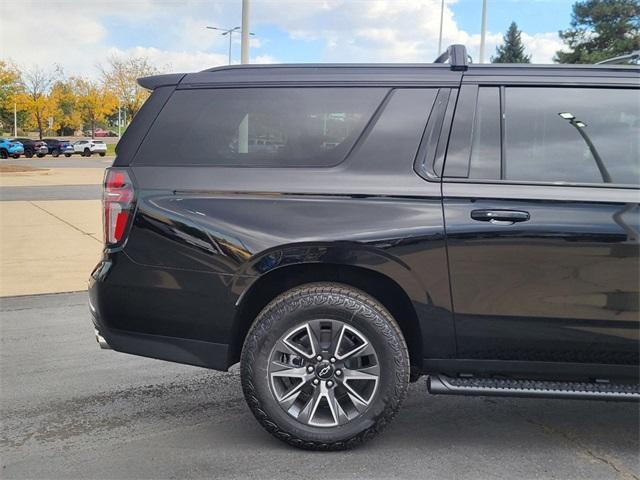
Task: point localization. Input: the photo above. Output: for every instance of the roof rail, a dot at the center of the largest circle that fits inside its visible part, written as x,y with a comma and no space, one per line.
456,56
621,59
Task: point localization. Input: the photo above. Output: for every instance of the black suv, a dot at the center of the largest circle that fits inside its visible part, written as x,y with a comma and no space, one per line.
33,147
342,230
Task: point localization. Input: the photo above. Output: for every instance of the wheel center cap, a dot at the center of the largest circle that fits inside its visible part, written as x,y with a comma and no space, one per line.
324,370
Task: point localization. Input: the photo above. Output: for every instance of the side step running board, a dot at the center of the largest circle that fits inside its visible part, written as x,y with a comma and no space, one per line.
441,384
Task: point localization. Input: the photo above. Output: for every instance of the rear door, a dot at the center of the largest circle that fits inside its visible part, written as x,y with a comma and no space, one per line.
541,212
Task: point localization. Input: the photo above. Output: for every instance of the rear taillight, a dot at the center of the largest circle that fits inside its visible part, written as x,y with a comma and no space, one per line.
118,204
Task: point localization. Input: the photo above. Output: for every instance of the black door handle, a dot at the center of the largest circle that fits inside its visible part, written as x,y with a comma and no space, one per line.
500,217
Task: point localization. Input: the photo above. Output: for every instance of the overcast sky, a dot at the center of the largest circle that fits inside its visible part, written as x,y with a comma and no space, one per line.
77,34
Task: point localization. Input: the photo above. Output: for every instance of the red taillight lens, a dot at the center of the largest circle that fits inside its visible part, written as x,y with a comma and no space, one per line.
118,204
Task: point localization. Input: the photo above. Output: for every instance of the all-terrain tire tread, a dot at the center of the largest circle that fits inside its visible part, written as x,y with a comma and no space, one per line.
331,294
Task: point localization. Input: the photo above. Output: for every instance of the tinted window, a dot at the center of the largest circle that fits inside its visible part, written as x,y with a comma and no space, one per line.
575,135
485,147
259,126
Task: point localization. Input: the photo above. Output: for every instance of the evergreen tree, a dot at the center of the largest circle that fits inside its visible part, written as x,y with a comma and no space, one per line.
512,51
601,29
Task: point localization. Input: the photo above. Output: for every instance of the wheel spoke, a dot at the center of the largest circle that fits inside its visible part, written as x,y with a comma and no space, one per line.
369,373
324,373
289,343
288,397
315,335
354,350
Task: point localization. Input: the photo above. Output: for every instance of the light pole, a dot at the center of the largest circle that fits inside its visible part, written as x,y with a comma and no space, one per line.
15,119
441,21
579,125
119,118
244,45
230,32
483,30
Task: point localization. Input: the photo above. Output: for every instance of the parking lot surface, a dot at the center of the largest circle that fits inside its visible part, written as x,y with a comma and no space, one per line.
70,410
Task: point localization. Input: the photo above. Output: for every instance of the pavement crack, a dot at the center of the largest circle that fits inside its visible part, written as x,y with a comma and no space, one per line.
620,472
65,222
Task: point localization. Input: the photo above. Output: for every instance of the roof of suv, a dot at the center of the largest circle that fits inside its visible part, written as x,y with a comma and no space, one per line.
381,74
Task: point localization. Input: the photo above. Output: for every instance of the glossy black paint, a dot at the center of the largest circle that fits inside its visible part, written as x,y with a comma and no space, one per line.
560,286
555,290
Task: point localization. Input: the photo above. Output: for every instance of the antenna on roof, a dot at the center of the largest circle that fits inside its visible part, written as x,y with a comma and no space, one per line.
622,59
456,56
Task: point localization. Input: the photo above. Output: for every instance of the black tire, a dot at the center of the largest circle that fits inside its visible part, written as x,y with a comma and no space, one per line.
86,152
67,155
55,154
4,153
16,155
40,155
102,154
352,307
28,153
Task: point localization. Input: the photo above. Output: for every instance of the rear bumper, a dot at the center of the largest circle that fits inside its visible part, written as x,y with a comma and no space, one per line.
181,350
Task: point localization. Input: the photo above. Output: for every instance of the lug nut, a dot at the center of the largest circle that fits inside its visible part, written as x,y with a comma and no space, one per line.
333,360
338,372
309,369
319,358
329,384
316,381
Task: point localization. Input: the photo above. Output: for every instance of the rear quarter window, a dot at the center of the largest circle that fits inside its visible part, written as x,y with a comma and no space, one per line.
270,127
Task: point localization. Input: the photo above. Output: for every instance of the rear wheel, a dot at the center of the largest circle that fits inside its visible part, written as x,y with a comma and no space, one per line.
28,153
67,154
40,155
87,152
16,155
55,154
4,153
102,154
324,367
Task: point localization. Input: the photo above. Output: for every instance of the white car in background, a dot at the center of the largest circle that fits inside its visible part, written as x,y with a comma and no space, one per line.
88,147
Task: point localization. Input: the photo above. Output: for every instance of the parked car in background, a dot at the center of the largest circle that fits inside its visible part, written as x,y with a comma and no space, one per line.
88,147
10,148
99,132
59,147
33,147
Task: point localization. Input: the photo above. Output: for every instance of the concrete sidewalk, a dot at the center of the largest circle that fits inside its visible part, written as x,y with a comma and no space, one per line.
48,246
50,225
53,176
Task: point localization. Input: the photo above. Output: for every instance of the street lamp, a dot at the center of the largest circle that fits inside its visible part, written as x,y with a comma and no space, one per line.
580,126
229,32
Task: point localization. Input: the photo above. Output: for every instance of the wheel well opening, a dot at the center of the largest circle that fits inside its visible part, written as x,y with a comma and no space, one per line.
380,287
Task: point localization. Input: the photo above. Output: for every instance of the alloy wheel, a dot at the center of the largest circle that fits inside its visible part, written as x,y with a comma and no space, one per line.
324,373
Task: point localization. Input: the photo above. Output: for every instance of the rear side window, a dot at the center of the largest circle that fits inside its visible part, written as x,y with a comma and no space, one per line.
275,127
572,135
548,135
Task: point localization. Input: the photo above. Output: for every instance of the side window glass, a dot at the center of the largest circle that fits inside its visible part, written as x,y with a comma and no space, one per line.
485,146
277,127
573,135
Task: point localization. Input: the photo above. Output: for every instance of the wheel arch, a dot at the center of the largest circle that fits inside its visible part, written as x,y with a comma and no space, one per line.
397,299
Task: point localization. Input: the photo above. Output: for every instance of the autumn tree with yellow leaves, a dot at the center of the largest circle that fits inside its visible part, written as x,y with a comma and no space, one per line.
94,101
34,98
120,76
10,86
67,118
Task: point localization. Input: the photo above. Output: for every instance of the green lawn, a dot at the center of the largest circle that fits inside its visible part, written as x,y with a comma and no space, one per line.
111,149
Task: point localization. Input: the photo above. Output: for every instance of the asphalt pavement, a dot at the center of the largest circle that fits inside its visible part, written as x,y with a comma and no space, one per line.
70,410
